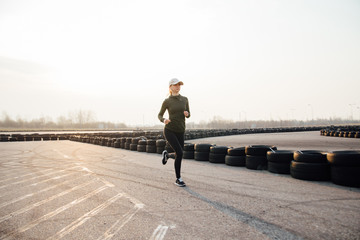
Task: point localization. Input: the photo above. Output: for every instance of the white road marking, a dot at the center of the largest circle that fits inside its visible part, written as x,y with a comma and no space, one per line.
64,155
116,227
41,191
54,178
100,179
34,184
21,176
27,208
159,232
66,230
25,180
54,213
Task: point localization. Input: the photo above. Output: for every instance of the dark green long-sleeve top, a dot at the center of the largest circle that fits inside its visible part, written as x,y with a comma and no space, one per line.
176,105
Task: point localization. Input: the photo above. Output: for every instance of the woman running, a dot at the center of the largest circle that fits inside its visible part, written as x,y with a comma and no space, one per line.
174,130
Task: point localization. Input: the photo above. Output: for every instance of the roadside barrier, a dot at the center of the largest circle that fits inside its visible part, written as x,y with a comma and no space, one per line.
279,161
189,150
341,131
160,145
256,156
310,165
217,154
340,167
345,167
236,157
202,151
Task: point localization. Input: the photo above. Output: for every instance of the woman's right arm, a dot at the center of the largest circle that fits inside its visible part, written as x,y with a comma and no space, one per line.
162,111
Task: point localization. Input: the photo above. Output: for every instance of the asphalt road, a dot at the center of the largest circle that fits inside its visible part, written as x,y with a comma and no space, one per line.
71,190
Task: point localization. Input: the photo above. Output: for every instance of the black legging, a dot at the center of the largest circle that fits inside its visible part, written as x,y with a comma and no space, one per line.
176,141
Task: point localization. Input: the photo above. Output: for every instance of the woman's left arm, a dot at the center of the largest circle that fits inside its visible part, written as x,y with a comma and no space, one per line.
187,109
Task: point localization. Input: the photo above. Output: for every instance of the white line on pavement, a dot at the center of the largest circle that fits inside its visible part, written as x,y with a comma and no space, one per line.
66,230
29,174
29,207
25,180
41,191
159,232
53,213
116,227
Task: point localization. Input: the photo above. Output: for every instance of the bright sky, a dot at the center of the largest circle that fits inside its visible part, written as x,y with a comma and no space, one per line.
238,59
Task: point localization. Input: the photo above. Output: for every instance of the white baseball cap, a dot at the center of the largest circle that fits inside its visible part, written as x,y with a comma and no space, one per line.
175,81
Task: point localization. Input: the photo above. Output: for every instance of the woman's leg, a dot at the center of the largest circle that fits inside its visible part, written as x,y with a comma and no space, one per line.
176,141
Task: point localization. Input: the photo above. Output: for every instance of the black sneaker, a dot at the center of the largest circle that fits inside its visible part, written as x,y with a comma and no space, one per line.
179,182
165,157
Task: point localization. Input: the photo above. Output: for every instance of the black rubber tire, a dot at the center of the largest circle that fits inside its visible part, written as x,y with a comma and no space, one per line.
256,162
27,138
127,146
117,144
202,147
188,154
151,142
279,167
310,171
201,156
219,150
160,149
160,143
258,150
236,151
189,147
133,147
217,157
235,160
150,148
310,156
344,158
141,148
280,156
346,176
142,142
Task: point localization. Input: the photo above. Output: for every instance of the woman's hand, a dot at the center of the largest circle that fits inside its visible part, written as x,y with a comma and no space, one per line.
186,113
166,121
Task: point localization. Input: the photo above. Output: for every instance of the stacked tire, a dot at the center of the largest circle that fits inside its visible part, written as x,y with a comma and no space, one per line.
236,157
151,146
4,138
279,161
310,165
134,144
256,156
217,154
189,151
122,142
202,151
128,143
117,143
141,147
345,167
160,145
